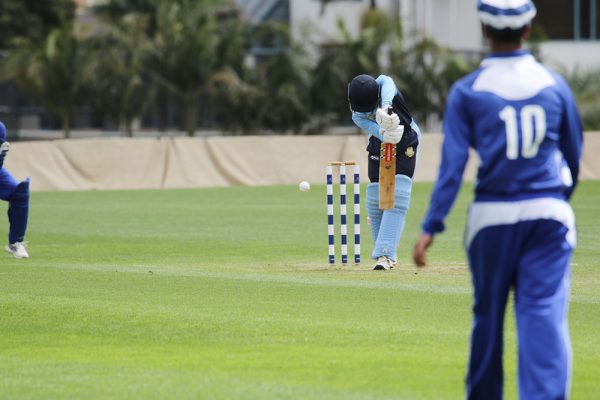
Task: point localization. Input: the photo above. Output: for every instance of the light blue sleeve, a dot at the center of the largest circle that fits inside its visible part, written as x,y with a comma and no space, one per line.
455,154
416,128
366,124
362,120
388,89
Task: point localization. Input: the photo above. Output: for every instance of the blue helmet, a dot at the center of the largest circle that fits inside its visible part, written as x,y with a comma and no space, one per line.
2,132
363,93
506,14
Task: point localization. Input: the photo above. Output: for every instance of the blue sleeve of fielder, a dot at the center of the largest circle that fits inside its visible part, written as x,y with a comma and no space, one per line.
455,154
388,88
571,134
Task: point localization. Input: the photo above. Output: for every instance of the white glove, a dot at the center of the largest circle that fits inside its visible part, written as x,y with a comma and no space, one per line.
385,121
3,151
394,136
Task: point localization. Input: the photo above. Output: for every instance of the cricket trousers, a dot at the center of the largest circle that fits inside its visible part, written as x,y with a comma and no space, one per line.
525,246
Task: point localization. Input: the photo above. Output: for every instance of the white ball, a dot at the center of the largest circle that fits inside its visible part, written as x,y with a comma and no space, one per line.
304,186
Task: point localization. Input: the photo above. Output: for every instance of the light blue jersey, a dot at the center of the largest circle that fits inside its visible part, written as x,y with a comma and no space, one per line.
522,120
387,225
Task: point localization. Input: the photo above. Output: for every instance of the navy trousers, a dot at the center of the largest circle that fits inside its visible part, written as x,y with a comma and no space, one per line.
525,246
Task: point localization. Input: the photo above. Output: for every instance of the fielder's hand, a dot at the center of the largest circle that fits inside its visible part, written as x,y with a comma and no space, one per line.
4,147
393,136
3,151
420,249
385,121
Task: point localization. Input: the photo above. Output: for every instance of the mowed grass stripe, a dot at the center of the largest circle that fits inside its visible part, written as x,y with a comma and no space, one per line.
241,328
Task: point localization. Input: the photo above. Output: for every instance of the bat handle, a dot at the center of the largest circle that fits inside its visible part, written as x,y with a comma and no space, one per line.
390,110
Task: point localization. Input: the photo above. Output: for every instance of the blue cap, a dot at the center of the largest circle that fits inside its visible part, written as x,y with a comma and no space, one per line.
506,14
363,93
2,131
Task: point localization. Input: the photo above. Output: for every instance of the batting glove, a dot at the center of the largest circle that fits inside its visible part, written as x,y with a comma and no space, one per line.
394,136
385,121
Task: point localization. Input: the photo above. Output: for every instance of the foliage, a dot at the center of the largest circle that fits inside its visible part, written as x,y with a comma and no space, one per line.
186,51
586,88
363,54
121,89
273,95
32,19
329,90
536,37
55,71
424,73
337,64
251,78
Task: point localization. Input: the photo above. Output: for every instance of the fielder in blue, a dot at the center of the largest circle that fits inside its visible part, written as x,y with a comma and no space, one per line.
370,100
17,195
522,120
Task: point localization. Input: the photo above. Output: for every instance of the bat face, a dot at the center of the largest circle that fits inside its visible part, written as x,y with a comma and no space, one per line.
387,175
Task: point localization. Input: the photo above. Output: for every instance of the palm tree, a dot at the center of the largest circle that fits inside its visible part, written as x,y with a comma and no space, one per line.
425,72
183,52
274,94
32,19
121,89
338,63
55,71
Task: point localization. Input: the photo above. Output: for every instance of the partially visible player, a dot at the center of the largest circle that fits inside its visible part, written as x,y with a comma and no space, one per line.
522,120
17,195
369,100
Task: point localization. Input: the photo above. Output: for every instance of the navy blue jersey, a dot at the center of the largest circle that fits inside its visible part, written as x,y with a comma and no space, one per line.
522,120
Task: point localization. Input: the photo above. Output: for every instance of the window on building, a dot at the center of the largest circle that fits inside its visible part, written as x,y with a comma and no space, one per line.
568,20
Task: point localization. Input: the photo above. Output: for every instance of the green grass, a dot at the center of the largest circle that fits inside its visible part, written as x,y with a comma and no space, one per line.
226,294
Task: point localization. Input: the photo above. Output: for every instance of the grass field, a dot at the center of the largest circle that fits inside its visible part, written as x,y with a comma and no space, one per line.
226,294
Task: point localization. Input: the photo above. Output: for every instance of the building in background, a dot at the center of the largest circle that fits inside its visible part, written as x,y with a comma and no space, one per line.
571,28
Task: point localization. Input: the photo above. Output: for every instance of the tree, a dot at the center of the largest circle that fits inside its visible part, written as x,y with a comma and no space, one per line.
425,72
32,19
339,63
364,54
183,53
121,89
55,71
274,94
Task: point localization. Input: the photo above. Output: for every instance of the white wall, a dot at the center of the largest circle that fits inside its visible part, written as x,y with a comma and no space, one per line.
455,24
308,23
451,23
570,55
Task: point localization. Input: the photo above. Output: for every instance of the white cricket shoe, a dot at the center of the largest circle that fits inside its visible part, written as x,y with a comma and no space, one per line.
384,264
18,250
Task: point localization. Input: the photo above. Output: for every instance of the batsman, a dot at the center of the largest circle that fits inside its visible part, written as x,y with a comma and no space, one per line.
379,109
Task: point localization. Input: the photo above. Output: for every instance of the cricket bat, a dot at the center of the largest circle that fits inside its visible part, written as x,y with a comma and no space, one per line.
387,173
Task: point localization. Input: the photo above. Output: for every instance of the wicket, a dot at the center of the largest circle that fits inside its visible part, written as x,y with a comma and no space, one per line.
330,216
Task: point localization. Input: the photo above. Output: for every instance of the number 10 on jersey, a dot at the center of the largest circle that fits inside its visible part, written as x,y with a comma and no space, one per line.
532,119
